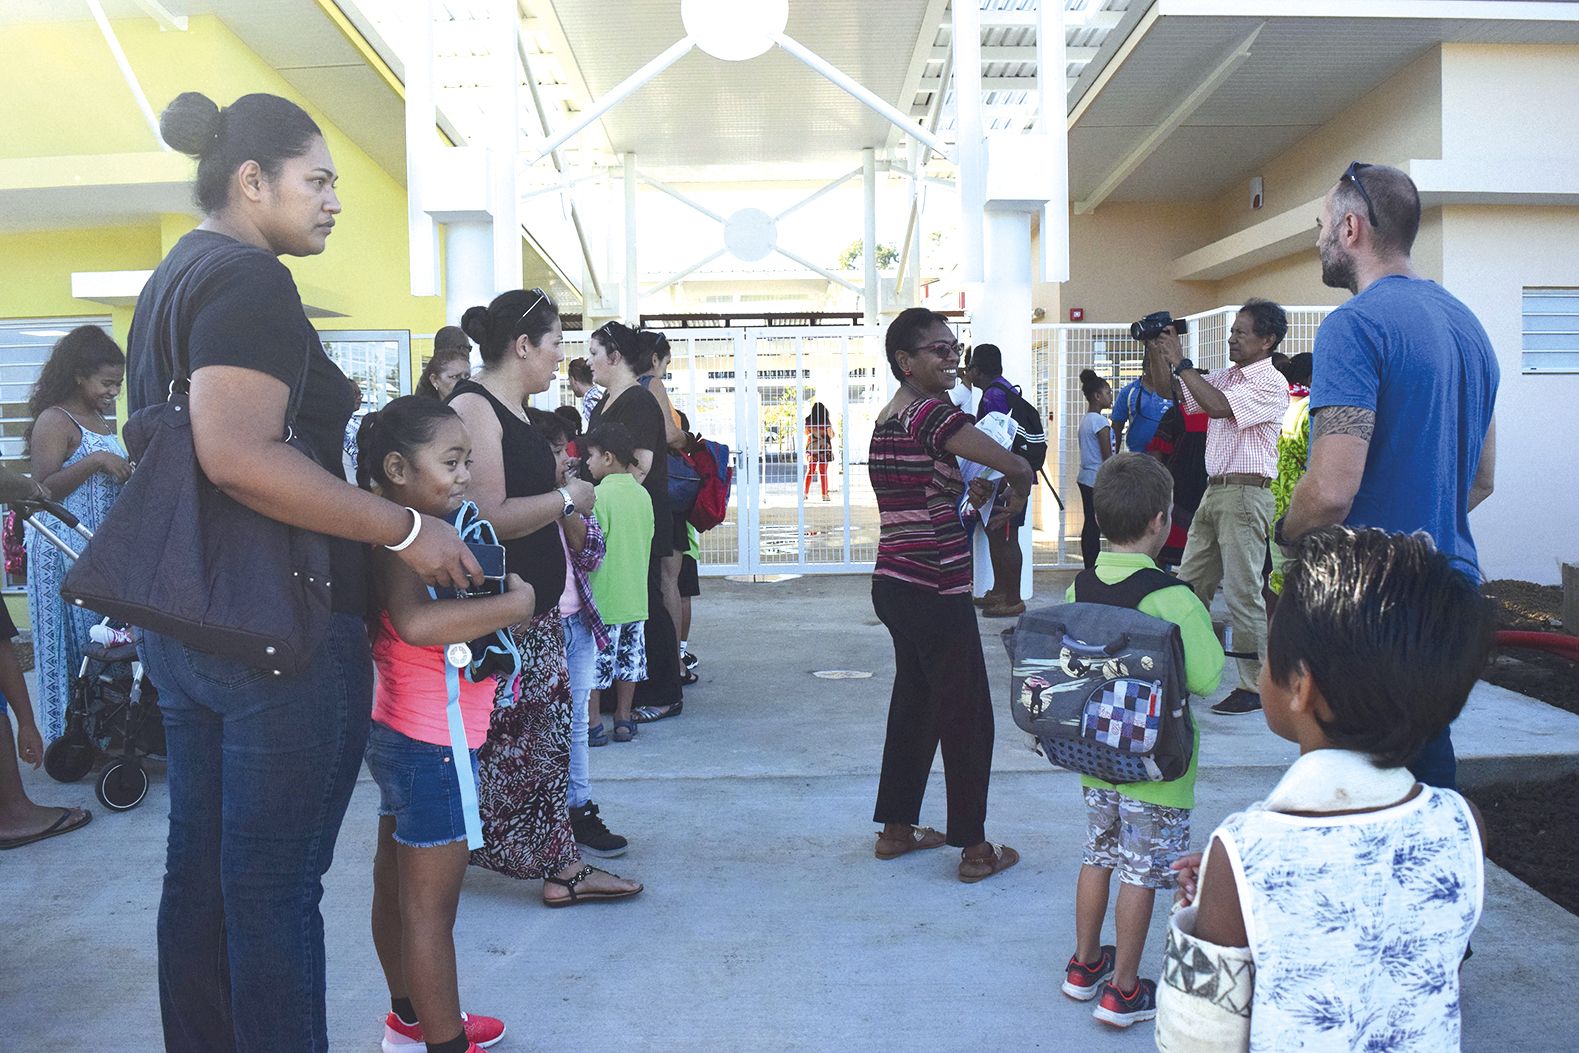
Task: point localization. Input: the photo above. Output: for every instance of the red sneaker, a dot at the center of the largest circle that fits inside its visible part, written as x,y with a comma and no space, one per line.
1122,1010
401,1037
1083,982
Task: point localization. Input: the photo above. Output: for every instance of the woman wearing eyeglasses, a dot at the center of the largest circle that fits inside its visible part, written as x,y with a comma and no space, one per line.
921,591
524,766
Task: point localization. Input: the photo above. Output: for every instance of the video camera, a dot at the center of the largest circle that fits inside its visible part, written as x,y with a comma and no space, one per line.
1153,324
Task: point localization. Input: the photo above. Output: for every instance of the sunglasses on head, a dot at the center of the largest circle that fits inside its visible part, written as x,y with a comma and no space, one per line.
1352,174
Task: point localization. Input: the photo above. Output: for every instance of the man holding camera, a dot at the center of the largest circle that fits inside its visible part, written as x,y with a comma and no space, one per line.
1228,537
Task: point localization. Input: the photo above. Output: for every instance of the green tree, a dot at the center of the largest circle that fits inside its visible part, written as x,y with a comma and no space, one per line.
853,257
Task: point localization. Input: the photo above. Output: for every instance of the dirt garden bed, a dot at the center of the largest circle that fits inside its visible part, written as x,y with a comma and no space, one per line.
1533,827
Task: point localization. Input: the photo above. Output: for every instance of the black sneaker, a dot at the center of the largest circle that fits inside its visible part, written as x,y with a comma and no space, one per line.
592,836
690,660
1122,1010
1239,701
1083,981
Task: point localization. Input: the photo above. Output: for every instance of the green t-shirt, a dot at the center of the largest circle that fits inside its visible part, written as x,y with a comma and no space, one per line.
619,585
1203,667
693,543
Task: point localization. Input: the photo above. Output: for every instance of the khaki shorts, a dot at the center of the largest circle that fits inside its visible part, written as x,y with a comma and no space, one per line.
1137,839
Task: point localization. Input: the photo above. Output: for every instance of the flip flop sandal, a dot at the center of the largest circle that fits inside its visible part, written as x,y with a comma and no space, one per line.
1003,857
63,825
689,678
920,837
624,730
649,714
582,897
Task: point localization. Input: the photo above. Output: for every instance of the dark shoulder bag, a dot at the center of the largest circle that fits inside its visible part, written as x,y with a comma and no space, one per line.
178,557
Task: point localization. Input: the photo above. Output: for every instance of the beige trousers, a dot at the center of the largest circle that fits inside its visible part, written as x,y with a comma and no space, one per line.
1227,547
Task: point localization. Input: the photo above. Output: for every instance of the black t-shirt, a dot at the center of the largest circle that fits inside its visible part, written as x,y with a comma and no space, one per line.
245,312
638,409
529,470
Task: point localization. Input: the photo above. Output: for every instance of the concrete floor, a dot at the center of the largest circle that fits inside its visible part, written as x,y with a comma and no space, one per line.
766,924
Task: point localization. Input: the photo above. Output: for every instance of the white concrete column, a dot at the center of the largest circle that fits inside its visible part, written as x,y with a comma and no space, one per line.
972,145
468,270
869,236
1003,315
630,296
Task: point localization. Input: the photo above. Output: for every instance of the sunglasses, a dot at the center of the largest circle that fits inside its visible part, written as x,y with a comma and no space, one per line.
1352,174
940,349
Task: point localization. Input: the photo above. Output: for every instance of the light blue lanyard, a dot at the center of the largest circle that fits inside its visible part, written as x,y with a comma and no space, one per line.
463,759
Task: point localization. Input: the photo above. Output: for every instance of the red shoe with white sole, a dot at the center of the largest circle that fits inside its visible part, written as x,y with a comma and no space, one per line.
401,1037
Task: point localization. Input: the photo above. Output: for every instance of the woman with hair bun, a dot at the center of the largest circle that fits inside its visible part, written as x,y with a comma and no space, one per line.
1096,446
77,458
261,766
524,766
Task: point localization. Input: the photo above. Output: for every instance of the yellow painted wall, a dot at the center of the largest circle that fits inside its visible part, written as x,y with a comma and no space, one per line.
1120,257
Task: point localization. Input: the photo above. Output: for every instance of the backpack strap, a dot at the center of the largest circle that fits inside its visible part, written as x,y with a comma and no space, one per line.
1127,593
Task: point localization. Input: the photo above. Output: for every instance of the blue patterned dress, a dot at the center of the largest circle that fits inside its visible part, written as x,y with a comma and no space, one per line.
60,632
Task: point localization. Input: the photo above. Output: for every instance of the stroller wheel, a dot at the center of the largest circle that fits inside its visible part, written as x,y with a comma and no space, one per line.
122,785
69,757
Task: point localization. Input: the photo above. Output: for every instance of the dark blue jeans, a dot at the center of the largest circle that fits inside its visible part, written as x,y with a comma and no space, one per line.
1436,765
261,769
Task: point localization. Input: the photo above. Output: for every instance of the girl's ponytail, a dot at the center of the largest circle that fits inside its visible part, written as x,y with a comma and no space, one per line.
403,426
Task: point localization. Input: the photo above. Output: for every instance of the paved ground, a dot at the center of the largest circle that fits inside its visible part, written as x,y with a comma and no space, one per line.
767,924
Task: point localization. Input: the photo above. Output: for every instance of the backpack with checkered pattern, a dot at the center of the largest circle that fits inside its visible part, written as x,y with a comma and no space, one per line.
1101,685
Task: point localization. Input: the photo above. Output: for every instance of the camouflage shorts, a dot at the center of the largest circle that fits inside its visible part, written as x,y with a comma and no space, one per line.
1137,839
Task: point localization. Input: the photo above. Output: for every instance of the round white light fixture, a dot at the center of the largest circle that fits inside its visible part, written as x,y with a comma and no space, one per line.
751,234
734,30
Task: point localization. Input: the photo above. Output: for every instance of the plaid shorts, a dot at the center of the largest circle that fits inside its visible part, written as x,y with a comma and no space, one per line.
625,658
1137,839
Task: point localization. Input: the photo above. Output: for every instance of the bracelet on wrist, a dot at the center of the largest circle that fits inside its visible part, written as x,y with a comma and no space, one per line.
416,528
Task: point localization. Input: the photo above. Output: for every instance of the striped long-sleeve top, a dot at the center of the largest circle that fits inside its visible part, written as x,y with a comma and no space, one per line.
918,488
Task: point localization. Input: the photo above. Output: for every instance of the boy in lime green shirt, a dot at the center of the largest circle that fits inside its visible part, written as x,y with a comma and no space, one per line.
1136,828
619,585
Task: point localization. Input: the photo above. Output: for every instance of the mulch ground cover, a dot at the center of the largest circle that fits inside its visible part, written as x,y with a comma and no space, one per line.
1533,827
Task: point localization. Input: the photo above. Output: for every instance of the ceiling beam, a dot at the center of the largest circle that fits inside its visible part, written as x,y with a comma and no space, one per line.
1225,68
926,50
1019,53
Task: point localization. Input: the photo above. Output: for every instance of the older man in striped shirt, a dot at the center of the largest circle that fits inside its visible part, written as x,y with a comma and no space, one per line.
1228,537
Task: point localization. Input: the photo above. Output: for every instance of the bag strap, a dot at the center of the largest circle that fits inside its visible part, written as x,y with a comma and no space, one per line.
1127,593
175,344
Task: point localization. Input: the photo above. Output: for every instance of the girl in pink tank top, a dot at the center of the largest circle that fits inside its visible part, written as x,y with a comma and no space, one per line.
416,452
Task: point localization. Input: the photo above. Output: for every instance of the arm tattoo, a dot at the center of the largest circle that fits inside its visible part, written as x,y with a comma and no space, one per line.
1343,420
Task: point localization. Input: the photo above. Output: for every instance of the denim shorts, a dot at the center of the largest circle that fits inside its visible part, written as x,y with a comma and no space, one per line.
417,785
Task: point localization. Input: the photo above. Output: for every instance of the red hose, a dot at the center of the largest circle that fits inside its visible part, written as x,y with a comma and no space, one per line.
1554,643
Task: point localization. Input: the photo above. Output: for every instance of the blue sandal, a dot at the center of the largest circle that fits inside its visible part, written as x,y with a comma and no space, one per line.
596,736
624,730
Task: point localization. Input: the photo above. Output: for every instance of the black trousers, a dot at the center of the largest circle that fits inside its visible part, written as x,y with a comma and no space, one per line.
940,697
662,686
1090,533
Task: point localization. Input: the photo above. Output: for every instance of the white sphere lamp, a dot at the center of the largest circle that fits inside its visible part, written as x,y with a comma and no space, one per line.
751,234
734,30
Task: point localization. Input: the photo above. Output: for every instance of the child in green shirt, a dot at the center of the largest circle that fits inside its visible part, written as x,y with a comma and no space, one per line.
1137,828
619,585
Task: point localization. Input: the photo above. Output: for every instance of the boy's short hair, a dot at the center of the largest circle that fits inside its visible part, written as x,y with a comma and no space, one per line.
552,426
614,438
579,369
1131,489
1393,632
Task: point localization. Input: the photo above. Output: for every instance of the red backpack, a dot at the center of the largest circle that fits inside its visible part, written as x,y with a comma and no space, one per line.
716,471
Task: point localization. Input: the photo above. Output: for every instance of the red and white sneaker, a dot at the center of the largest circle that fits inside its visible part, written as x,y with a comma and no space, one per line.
401,1037
1123,1010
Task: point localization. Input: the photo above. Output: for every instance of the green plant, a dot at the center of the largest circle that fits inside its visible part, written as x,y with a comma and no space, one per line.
853,257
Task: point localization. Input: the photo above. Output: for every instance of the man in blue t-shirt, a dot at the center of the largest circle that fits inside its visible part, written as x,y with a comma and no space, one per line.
1139,407
1402,435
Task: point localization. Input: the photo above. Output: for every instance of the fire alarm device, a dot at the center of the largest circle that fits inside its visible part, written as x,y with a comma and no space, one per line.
1257,197
1077,314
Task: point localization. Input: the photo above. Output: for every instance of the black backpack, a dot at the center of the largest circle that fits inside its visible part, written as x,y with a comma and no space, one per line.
1101,685
1030,434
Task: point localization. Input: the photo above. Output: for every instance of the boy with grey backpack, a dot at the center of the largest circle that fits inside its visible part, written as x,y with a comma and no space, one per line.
1103,681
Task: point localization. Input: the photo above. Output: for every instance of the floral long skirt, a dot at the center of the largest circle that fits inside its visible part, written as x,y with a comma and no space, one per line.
524,766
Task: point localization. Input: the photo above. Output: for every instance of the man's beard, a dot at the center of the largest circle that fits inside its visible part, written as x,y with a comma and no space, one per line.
1337,270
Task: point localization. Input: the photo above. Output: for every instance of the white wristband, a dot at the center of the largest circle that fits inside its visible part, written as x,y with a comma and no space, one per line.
416,528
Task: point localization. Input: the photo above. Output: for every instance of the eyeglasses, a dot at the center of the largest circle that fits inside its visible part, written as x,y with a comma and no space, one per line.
940,349
1352,174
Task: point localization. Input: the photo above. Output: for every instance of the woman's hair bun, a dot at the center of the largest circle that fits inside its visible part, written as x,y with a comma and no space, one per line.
1089,376
190,123
474,323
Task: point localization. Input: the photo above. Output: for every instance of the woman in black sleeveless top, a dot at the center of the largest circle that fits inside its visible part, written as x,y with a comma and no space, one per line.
524,766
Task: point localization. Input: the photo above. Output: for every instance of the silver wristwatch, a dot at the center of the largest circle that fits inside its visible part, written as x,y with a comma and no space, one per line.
570,506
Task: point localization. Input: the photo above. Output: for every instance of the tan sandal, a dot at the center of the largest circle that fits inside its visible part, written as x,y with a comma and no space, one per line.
920,837
973,870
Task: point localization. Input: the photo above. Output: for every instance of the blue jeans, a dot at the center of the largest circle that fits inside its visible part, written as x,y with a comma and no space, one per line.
261,769
1435,764
581,654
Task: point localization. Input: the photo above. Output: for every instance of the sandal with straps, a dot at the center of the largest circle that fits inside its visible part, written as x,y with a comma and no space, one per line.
973,870
624,730
578,897
919,838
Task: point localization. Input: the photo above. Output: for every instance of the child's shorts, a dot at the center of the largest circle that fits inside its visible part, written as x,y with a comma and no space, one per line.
690,580
417,785
1137,839
625,658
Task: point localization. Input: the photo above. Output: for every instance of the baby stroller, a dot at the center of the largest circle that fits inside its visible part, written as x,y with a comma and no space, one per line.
112,714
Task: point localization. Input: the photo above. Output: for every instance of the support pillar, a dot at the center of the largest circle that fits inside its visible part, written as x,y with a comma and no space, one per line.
869,236
630,296
1003,315
468,270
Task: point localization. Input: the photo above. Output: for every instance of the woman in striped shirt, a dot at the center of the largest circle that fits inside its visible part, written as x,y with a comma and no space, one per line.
921,591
